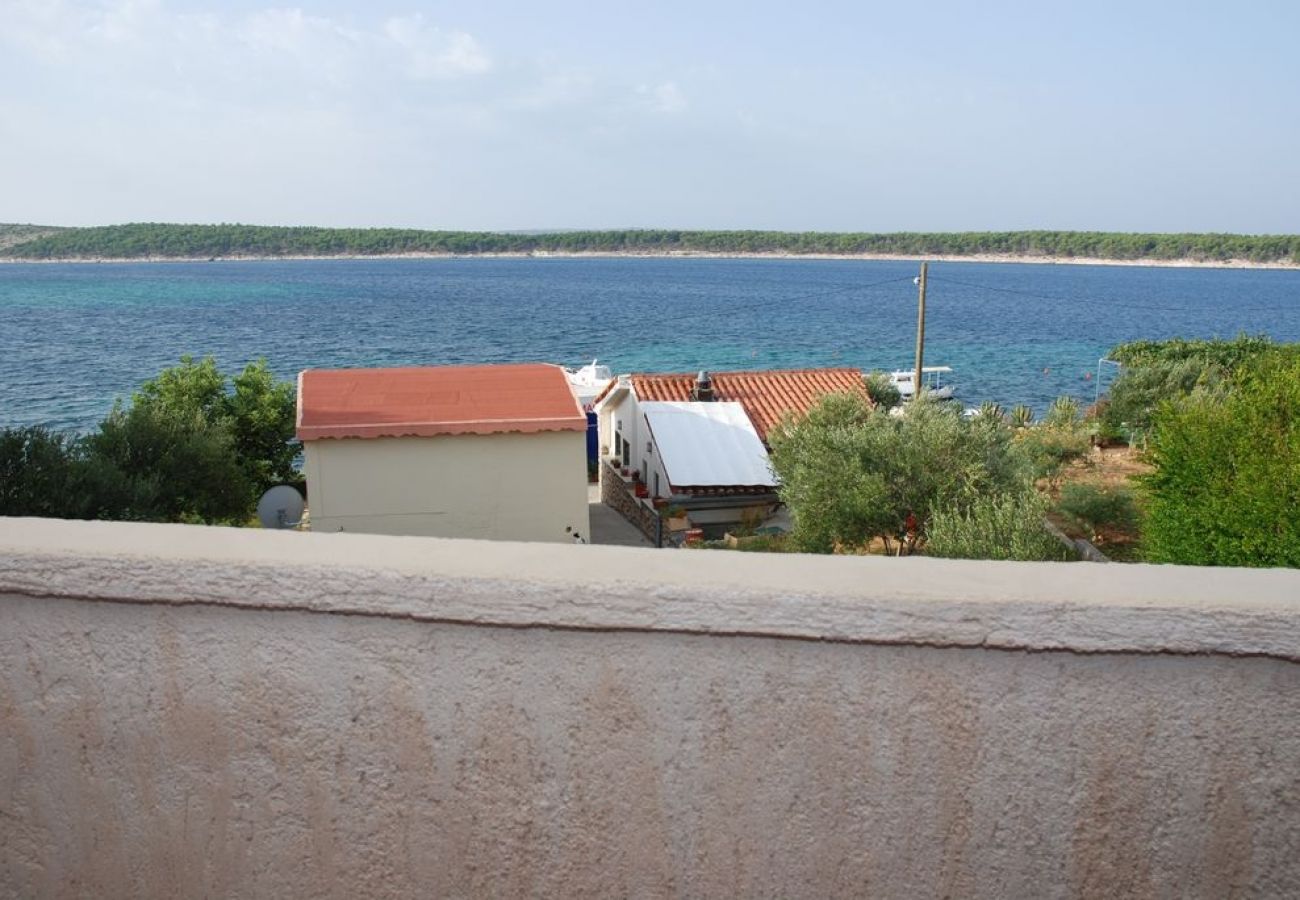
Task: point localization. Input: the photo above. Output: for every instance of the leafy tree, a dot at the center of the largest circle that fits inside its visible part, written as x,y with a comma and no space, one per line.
1225,488
189,446
189,389
262,413
850,473
258,412
148,464
38,473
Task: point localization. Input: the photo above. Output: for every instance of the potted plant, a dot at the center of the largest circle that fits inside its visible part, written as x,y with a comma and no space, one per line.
675,518
640,489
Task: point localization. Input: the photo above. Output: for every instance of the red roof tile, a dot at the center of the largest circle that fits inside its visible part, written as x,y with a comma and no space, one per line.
432,400
766,396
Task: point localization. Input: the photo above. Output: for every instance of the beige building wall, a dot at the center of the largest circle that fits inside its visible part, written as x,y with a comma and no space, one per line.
189,712
519,487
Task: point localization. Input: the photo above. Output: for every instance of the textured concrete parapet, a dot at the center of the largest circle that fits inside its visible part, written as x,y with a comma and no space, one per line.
189,711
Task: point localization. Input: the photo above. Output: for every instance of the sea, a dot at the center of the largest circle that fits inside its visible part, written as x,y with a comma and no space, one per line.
75,337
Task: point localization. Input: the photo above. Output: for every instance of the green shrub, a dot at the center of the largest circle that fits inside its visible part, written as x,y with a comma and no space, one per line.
1094,508
1158,371
38,473
1048,447
190,446
1006,527
1137,392
1064,412
257,410
882,390
1225,487
763,543
146,465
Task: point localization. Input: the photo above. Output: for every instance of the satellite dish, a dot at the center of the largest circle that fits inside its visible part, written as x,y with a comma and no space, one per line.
281,507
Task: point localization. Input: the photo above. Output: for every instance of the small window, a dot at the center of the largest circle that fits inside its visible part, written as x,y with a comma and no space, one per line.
618,443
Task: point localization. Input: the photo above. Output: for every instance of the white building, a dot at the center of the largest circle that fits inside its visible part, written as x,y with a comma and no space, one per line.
494,452
700,441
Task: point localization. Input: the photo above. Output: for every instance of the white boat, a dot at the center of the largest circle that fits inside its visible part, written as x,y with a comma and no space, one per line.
588,381
931,382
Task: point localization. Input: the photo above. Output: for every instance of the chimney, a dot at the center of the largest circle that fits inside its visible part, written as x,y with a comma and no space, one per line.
703,388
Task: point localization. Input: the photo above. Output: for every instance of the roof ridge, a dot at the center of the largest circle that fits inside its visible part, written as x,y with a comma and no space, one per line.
715,373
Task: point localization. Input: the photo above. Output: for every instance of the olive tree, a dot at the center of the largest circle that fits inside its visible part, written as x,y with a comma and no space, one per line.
851,473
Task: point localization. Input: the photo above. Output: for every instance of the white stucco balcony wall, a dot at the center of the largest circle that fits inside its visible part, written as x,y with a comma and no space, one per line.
191,711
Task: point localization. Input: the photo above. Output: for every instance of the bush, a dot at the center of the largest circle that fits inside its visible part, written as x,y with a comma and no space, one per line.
145,465
1158,371
38,474
1049,447
187,448
1094,508
996,527
882,390
1138,392
253,407
850,474
1063,413
1225,488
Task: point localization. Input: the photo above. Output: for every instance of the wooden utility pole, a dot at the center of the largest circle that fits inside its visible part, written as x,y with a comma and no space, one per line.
920,334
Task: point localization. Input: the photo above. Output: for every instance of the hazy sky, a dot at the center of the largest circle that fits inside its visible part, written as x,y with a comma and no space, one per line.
1161,116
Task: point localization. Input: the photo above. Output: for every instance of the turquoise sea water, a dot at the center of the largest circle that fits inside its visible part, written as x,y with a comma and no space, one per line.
73,337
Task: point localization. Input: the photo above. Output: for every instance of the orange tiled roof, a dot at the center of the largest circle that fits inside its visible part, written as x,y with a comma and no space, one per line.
432,400
766,395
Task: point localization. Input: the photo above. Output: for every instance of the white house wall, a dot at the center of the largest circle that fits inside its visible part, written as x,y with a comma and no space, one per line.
634,429
524,487
625,415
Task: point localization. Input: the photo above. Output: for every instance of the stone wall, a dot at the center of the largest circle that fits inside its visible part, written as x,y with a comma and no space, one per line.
192,712
616,493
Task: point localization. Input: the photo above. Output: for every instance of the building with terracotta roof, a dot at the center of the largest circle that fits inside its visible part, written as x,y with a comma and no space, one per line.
495,452
700,441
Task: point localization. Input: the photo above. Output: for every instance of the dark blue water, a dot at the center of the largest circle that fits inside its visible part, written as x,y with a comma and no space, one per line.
74,337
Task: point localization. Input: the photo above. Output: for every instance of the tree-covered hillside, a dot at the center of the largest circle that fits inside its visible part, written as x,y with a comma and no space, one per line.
145,240
18,234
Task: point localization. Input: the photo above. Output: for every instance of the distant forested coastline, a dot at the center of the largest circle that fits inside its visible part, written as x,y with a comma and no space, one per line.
167,241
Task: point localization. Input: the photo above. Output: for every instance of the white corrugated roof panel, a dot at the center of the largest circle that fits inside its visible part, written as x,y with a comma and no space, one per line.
708,445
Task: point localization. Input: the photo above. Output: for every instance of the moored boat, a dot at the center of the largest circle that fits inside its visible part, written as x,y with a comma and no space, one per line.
931,382
588,381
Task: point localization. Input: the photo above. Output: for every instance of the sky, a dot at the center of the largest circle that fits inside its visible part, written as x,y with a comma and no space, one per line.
856,116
